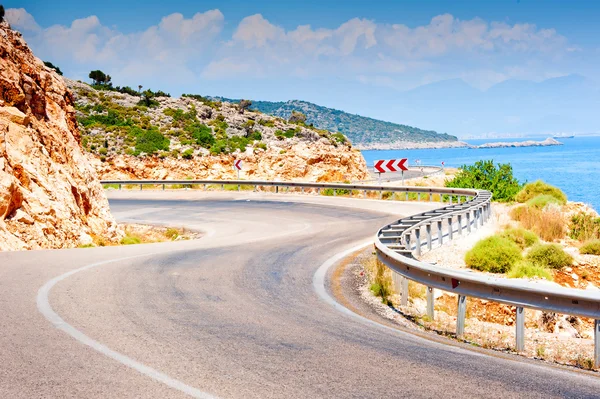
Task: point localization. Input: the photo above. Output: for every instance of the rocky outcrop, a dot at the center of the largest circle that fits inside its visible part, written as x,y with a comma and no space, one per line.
288,162
50,196
528,143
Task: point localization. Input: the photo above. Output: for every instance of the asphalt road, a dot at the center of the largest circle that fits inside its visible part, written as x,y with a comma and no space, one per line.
233,315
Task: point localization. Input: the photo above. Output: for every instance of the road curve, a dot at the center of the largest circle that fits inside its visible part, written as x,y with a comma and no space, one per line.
233,314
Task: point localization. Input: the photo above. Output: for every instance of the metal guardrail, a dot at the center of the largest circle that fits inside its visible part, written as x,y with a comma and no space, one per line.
398,243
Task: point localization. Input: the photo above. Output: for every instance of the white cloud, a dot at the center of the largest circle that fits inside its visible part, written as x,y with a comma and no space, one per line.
21,20
179,48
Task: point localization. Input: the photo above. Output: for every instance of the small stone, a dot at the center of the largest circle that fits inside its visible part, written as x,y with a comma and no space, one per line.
568,269
574,276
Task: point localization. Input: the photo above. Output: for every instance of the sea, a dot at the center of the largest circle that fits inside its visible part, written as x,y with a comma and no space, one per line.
573,167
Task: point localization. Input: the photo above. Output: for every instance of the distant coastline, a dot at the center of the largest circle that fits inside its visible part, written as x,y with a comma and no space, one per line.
407,145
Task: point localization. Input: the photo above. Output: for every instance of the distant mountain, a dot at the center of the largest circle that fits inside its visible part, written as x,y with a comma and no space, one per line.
364,132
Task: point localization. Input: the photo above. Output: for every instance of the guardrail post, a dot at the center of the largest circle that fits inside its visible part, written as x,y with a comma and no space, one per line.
404,292
450,232
364,193
460,317
460,225
440,233
318,190
120,186
597,343
239,187
380,194
222,187
276,189
520,329
428,232
430,303
254,189
430,196
407,195
396,279
140,187
407,242
459,199
442,198
419,196
334,192
482,215
163,187
451,199
468,221
418,240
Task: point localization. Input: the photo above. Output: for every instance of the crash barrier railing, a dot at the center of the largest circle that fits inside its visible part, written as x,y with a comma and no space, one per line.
400,243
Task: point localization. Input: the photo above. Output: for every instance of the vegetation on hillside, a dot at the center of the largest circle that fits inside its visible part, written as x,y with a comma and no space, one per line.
52,66
359,129
484,175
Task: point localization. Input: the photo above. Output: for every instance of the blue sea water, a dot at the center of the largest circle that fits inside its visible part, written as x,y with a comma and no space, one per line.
574,166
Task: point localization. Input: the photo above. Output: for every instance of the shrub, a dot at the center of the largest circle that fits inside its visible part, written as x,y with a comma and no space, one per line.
549,255
130,240
188,154
527,269
584,226
339,137
485,175
523,238
538,187
494,254
549,223
540,201
590,248
52,66
266,122
150,141
297,117
171,233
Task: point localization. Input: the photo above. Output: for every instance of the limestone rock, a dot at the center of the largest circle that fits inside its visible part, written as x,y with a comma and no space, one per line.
50,196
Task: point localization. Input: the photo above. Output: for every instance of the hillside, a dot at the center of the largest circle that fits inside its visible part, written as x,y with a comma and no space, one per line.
141,136
363,132
50,196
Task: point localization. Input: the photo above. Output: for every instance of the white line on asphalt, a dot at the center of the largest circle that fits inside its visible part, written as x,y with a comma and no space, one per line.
45,309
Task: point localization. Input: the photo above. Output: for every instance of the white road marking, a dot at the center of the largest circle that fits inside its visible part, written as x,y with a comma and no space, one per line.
45,309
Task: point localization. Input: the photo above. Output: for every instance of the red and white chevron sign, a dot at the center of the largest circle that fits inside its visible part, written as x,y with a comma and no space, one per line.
390,165
237,165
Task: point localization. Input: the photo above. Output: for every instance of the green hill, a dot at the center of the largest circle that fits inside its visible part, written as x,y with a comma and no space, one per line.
364,132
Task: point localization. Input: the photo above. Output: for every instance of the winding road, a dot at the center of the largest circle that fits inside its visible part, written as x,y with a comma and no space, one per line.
243,312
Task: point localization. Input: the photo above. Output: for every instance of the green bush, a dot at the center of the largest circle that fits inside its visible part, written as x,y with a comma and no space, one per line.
484,175
540,201
590,248
188,154
584,227
538,187
150,141
549,255
527,269
494,254
523,238
130,240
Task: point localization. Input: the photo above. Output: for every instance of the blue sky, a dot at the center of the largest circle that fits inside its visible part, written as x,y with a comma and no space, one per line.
363,57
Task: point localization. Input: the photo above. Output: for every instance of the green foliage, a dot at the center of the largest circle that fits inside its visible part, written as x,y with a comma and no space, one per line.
262,146
287,134
549,255
485,175
52,66
100,78
523,238
494,254
148,99
111,119
266,122
188,154
171,233
130,240
527,269
584,226
339,137
204,100
591,247
538,187
149,141
540,201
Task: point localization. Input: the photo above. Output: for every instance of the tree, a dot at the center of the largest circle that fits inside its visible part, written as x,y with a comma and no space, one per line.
98,77
140,88
148,99
244,105
297,117
484,175
1,13
52,66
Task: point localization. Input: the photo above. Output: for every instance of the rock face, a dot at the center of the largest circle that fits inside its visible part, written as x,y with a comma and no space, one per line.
50,196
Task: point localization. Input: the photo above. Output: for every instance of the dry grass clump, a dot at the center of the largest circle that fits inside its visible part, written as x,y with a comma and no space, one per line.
381,279
522,237
584,226
548,223
527,269
590,248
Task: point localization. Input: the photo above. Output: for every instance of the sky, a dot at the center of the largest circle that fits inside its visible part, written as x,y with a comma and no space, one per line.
469,68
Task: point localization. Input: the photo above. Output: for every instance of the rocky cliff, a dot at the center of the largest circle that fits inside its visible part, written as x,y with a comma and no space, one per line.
50,196
133,136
